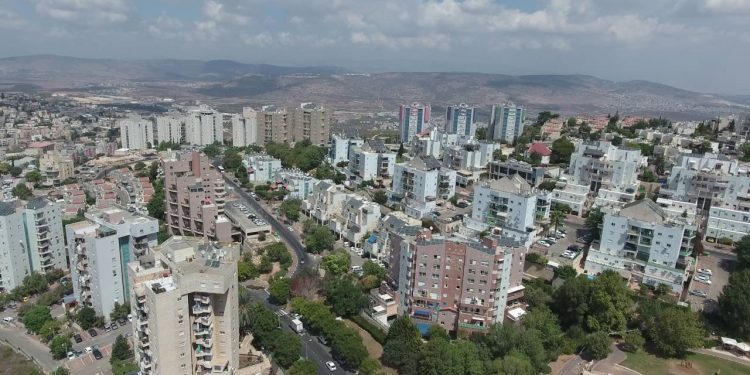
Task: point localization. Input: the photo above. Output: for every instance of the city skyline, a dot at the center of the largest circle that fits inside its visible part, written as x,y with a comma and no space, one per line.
637,40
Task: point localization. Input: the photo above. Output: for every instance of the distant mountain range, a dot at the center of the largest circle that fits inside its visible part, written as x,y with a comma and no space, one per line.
229,83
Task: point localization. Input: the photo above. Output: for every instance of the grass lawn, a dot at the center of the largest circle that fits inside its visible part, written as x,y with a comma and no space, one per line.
649,364
16,364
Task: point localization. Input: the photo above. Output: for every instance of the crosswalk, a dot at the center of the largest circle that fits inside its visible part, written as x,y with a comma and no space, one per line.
282,313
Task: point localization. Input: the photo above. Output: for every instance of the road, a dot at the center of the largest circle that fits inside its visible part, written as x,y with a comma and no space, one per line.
288,237
312,349
15,335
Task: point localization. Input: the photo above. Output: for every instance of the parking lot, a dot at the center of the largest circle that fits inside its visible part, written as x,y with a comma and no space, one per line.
720,263
573,227
87,364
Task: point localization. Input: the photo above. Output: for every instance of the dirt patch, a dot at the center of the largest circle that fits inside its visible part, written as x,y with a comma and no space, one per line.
558,365
15,363
683,368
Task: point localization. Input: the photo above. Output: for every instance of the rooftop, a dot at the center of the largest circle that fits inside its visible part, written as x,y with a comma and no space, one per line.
197,255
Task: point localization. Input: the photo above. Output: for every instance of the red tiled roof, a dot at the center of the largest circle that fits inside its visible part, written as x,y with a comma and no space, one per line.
539,148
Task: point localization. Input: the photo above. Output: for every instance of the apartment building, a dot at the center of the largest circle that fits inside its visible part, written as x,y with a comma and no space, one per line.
432,143
311,121
393,227
325,201
99,249
298,184
459,119
14,256
184,301
341,148
413,119
170,128
274,125
645,243
204,126
372,161
499,169
245,128
136,133
614,200
461,284
42,223
729,220
357,218
420,183
573,196
261,168
506,123
55,168
674,208
195,197
130,189
470,156
506,206
600,164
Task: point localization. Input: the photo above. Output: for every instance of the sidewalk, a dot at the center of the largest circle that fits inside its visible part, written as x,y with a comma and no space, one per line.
724,355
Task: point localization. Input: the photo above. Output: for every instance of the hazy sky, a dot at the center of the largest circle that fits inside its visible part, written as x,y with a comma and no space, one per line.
700,45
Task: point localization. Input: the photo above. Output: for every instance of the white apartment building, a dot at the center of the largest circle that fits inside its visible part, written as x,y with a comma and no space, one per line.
470,156
434,142
371,161
357,218
420,183
245,128
299,184
204,127
325,201
261,168
600,164
42,222
646,244
612,201
506,206
572,195
170,128
728,221
413,119
14,259
184,301
341,148
99,249
675,208
506,123
136,133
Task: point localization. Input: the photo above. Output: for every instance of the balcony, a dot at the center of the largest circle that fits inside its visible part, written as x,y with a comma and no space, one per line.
204,299
200,310
204,343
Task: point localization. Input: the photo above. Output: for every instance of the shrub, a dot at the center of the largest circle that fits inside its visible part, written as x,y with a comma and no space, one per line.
376,333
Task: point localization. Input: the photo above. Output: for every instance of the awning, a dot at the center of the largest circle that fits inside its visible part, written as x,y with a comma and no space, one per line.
422,313
728,341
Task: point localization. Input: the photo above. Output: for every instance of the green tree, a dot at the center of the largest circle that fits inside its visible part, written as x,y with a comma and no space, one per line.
319,239
50,329
370,268
513,363
139,166
566,272
262,323
124,367
246,271
562,148
503,339
742,248
556,218
345,298
21,191
481,134
634,341
648,176
212,150
548,185
60,371
599,345
542,320
337,263
348,346
734,303
675,330
156,205
291,209
303,367
33,176
120,350
369,366
403,345
437,332
594,222
287,349
59,346
380,197
279,290
36,318
535,158
745,152
86,317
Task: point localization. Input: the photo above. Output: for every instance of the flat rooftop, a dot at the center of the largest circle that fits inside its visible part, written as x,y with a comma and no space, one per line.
197,255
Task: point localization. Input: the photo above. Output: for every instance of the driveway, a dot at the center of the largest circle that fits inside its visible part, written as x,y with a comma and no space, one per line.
611,364
720,263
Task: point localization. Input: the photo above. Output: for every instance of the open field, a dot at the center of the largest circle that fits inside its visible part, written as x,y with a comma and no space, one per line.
16,364
694,364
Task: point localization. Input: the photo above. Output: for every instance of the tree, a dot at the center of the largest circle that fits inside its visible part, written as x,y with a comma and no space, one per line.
21,191
594,222
634,341
548,185
120,350
556,218
742,248
139,166
675,330
734,303
402,344
503,339
514,363
34,283
33,176
60,371
562,148
291,209
370,268
369,366
261,322
54,275
155,206
616,140
345,298
50,329
319,239
648,176
566,272
36,318
481,134
279,290
599,345
542,320
347,344
86,317
337,263
287,349
535,158
437,332
303,367
246,271
380,197
59,346
212,150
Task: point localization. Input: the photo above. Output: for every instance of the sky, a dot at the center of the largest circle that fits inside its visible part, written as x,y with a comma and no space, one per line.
701,45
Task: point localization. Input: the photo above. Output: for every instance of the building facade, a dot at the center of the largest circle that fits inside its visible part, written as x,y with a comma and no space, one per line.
420,183
261,168
136,133
506,123
204,127
245,128
170,128
341,148
506,206
413,119
499,169
312,122
372,161
600,164
42,221
459,119
14,258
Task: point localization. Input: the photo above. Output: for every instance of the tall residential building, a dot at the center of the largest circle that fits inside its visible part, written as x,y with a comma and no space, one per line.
372,161
14,259
357,218
461,284
195,197
507,205
245,128
421,182
274,125
204,127
312,122
645,243
341,147
602,165
413,119
261,168
136,133
170,129
42,222
55,168
99,249
506,123
184,300
459,119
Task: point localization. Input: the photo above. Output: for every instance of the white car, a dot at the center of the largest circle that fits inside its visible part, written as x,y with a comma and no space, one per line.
88,349
544,243
331,366
699,293
71,356
705,271
702,279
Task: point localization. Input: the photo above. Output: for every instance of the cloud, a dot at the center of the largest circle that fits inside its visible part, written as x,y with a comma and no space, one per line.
11,20
90,12
727,6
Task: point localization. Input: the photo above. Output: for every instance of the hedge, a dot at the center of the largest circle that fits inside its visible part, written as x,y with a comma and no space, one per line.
376,333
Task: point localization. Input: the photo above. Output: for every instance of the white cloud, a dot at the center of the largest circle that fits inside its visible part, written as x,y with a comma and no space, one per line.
10,19
727,6
90,12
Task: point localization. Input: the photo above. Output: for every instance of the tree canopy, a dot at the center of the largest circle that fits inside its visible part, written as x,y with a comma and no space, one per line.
734,303
337,263
562,148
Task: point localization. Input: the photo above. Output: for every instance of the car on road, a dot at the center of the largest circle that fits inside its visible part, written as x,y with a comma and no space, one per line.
705,271
331,366
257,198
699,293
702,279
290,228
8,319
92,332
323,340
97,354
77,338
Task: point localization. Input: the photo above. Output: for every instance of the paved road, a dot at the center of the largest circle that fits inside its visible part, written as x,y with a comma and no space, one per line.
611,364
312,349
15,335
573,366
291,240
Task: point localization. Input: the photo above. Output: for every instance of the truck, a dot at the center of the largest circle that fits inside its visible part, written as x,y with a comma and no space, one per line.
297,326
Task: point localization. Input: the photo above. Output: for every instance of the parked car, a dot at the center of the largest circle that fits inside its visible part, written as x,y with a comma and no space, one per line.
331,366
92,332
77,338
702,279
97,354
89,349
544,243
71,355
122,321
107,327
699,293
705,271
